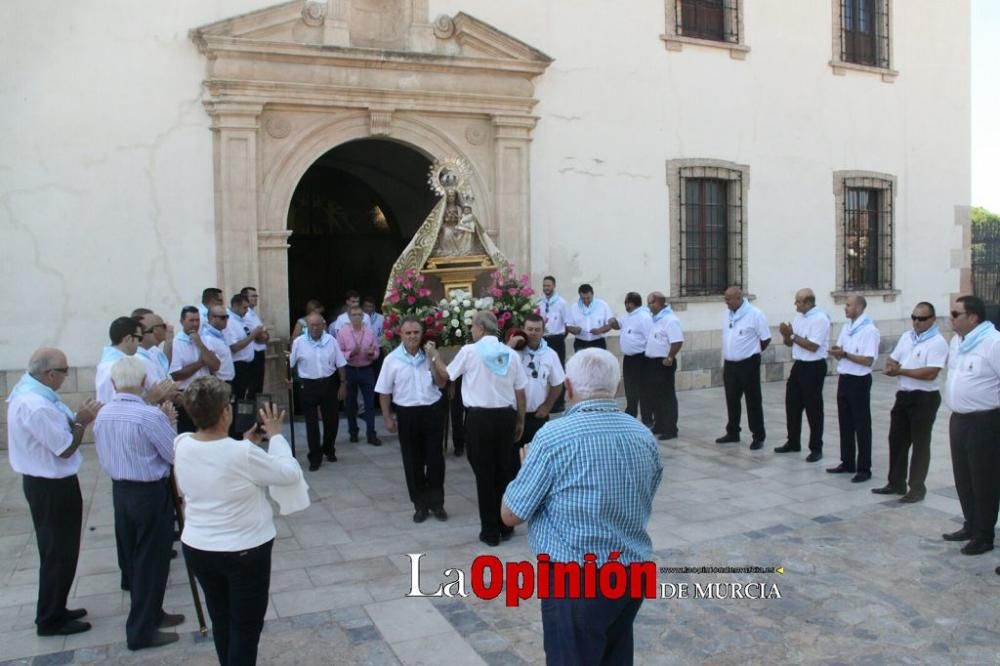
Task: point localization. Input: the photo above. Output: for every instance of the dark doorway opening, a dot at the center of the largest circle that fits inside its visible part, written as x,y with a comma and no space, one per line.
351,216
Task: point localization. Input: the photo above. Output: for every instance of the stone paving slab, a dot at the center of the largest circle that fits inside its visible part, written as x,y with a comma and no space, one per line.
867,580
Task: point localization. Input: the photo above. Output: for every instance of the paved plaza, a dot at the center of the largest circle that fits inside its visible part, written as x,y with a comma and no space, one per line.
866,580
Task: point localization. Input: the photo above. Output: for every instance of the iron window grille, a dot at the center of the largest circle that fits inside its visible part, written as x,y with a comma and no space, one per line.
717,20
711,230
986,260
864,32
868,261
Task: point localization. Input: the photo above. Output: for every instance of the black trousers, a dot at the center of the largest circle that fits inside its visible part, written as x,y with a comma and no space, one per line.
558,344
532,424
257,369
910,423
363,379
742,379
632,378
579,344
660,395
57,514
975,461
420,432
854,414
456,409
236,586
144,532
319,397
804,390
242,380
489,436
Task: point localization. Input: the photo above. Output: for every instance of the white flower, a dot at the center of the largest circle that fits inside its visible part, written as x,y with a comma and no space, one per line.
467,303
444,301
456,323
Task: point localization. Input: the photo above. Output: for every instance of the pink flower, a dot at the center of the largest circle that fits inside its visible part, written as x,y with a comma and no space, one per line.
512,291
409,272
439,314
389,335
423,292
420,278
496,292
394,292
525,279
411,299
527,291
408,284
394,298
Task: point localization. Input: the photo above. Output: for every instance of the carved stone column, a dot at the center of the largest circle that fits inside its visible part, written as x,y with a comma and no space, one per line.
272,253
234,129
512,200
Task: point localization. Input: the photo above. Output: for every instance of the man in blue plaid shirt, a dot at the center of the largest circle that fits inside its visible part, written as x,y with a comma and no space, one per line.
587,487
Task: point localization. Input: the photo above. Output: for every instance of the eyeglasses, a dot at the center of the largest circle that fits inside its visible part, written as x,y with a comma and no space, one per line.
61,371
534,371
136,336
955,314
918,318
223,316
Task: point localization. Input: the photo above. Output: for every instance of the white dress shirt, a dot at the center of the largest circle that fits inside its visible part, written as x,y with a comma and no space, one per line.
863,343
156,365
742,338
235,331
316,360
345,319
224,487
931,353
409,385
549,373
554,312
635,329
185,353
37,432
597,315
220,348
974,377
815,329
254,321
665,332
481,387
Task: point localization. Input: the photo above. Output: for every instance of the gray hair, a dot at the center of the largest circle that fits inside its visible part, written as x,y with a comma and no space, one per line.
128,373
488,322
43,360
593,373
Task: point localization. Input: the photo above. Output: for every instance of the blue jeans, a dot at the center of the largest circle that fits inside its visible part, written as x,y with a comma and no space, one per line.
364,379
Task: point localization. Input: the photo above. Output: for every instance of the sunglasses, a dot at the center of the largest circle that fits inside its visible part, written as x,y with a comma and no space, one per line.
534,371
955,314
225,316
61,371
136,337
916,318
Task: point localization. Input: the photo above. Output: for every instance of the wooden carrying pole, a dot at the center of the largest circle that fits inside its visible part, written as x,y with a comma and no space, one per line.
179,509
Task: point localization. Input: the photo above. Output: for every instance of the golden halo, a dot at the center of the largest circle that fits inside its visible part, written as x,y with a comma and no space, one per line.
449,175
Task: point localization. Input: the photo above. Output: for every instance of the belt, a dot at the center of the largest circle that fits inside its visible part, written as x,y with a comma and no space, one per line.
318,379
490,409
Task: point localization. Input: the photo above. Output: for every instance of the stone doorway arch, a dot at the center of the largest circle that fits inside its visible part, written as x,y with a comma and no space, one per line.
286,84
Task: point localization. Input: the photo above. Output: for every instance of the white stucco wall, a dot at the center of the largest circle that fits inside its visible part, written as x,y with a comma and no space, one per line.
106,162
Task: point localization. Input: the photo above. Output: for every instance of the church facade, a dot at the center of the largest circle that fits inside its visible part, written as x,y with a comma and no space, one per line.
671,145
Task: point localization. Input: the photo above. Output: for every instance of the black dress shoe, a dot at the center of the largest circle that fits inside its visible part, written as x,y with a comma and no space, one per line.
840,469
998,571
861,477
420,515
67,628
440,513
912,498
889,490
727,439
665,437
313,467
173,553
374,440
331,457
75,613
977,547
159,639
489,539
506,533
354,438
171,620
756,445
961,535
814,456
787,448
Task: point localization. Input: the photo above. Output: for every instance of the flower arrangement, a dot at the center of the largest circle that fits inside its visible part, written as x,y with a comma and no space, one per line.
512,298
458,310
409,297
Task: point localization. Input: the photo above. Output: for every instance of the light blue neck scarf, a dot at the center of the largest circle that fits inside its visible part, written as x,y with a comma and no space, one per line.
858,324
213,331
542,346
323,341
585,308
183,337
667,310
925,336
404,356
740,312
29,384
495,354
549,302
975,336
154,354
233,315
110,355
815,311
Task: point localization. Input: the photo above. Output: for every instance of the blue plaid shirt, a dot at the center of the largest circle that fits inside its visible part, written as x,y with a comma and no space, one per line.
587,485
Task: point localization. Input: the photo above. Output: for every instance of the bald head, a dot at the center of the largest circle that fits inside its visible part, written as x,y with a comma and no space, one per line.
733,298
316,325
655,301
805,300
49,366
153,330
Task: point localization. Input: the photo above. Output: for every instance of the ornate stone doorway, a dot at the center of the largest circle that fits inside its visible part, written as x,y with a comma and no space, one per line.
352,213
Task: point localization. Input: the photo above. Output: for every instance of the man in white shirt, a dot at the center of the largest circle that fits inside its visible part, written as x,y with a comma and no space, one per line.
554,309
745,335
320,365
411,385
43,436
856,351
125,334
493,393
660,366
209,296
973,394
915,363
353,300
240,336
215,339
635,326
259,344
191,359
808,336
589,320
544,375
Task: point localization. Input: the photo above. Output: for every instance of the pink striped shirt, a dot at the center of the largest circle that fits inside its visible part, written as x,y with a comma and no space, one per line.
363,340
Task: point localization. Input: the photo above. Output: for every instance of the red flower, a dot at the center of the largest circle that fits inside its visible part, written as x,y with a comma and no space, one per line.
429,319
439,314
394,298
389,335
411,299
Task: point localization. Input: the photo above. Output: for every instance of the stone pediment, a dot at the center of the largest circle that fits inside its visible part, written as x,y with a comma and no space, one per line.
391,31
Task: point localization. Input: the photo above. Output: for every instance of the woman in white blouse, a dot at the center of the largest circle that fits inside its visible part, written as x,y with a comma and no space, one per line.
228,522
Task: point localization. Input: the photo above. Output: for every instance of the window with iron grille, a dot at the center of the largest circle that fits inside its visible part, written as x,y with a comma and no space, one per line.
864,32
865,233
706,23
708,226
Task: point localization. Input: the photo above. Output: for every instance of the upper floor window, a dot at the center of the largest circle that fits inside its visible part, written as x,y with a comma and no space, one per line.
862,37
706,23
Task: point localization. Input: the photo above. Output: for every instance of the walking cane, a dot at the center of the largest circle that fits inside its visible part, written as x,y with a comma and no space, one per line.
179,510
291,403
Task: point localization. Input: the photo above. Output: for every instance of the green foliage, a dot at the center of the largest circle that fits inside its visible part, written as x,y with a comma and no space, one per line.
981,216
